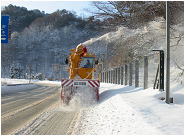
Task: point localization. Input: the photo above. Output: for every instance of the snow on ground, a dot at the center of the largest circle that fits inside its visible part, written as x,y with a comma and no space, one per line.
129,110
13,85
8,81
48,82
15,88
126,110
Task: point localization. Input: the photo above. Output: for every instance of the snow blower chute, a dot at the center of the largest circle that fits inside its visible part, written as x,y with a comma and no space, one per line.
81,74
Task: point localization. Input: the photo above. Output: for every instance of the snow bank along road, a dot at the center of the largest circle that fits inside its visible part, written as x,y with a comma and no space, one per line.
128,110
25,104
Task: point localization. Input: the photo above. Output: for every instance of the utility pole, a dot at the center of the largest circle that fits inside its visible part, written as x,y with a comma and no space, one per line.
168,100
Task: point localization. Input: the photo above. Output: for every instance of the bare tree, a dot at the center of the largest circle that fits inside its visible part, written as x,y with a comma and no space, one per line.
128,12
176,11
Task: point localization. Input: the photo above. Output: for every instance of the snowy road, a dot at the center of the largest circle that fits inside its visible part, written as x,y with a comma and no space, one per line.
121,110
21,106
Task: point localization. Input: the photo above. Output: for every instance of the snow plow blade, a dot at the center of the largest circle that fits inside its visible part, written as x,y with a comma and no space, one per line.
70,87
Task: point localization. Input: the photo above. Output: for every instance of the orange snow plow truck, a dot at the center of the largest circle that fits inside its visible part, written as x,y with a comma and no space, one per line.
81,74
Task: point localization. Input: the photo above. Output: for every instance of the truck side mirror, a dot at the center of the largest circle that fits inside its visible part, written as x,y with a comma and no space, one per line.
66,61
96,62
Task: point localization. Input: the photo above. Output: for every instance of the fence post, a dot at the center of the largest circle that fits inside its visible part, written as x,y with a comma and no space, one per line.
104,76
109,76
130,74
119,75
145,72
126,74
112,76
115,75
100,76
122,75
161,88
114,81
136,73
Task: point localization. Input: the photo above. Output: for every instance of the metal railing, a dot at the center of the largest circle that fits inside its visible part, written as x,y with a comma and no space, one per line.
138,73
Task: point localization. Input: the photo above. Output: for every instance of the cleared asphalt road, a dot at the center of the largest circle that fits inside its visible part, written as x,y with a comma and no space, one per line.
21,108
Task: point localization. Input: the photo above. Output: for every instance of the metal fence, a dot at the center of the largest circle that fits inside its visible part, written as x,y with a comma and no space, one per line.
139,73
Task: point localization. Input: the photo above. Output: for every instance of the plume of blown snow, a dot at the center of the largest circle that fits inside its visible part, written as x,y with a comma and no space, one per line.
83,97
154,30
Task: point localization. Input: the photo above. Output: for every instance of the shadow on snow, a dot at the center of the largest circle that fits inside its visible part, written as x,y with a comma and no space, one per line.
110,93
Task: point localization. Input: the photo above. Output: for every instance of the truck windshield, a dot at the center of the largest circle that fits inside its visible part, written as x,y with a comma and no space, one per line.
87,62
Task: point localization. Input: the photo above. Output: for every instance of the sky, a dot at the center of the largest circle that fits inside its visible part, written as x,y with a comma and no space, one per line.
51,6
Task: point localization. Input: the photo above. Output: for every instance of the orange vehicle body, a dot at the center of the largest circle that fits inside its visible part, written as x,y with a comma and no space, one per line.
75,58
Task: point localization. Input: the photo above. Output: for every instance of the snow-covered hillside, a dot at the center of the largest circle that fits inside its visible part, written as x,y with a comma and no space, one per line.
41,48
